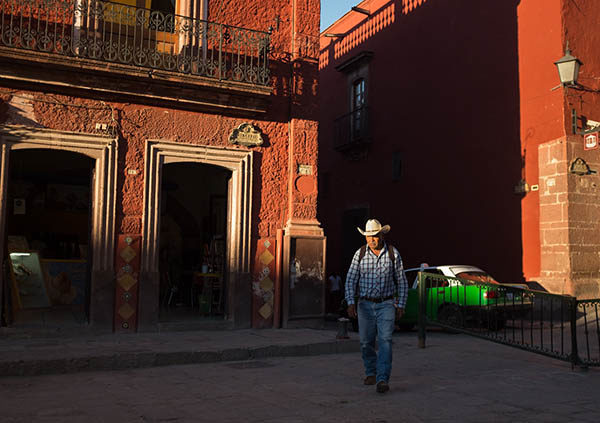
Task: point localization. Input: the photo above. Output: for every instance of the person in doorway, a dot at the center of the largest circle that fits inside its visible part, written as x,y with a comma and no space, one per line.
335,282
376,292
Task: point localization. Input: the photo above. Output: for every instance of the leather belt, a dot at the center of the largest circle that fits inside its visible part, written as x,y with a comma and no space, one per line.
377,299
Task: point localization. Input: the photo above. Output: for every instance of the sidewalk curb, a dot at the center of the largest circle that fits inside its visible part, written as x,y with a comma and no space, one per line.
145,359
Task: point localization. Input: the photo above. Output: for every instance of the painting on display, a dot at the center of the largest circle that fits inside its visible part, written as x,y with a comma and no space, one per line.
28,280
66,281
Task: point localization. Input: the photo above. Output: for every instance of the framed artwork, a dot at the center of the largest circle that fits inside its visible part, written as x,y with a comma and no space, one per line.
66,281
29,284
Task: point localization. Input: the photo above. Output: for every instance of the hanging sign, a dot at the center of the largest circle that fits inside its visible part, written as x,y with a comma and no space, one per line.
590,141
246,134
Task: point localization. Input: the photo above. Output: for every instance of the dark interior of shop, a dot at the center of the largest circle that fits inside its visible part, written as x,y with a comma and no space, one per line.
47,238
193,227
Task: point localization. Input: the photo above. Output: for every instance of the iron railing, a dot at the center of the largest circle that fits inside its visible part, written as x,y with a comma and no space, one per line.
117,33
557,326
352,128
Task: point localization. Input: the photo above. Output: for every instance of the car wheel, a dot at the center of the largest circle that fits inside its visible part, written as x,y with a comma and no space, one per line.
451,315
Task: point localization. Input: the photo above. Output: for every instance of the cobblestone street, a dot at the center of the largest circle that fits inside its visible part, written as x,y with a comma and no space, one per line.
456,378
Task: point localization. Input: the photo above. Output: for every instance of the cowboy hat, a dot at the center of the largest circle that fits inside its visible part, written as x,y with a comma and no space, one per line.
373,227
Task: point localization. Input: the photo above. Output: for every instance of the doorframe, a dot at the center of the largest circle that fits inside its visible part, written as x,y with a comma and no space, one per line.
239,217
103,150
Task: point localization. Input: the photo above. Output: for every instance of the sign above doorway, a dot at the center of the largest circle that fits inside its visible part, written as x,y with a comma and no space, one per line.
246,134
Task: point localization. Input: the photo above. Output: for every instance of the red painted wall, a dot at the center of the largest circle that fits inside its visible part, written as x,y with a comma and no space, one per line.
443,90
542,117
291,117
464,91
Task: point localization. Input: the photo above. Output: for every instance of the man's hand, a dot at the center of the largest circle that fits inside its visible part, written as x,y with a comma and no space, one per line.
399,313
352,311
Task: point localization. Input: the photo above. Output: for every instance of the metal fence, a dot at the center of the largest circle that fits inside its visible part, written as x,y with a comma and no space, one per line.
117,33
557,326
352,128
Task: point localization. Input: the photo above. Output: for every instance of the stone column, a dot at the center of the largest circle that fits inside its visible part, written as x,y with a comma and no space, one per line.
570,217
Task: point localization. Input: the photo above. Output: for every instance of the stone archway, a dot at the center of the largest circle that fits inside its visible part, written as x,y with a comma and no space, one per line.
103,150
239,162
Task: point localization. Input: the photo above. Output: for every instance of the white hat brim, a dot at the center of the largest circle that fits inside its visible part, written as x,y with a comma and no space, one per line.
384,230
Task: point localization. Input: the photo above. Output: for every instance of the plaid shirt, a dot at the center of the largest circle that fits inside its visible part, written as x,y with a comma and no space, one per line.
375,278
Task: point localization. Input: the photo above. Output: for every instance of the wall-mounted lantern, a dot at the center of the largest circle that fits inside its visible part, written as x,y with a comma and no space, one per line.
568,68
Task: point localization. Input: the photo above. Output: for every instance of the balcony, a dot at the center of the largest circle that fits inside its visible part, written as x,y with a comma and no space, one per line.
105,37
352,130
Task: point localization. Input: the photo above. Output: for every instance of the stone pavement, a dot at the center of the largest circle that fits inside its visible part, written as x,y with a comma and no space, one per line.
28,356
457,378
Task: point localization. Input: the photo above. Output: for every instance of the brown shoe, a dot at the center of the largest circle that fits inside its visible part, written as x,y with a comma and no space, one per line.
369,380
382,387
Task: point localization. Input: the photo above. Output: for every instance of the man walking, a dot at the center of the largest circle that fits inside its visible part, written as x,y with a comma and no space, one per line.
376,280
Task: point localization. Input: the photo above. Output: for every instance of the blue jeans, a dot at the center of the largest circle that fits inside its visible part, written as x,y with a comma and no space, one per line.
376,320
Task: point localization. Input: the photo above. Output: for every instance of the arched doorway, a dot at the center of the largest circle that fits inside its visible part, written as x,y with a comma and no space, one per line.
235,165
192,240
47,236
57,203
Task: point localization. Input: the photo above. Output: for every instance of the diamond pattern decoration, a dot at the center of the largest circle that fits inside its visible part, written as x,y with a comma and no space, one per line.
265,311
266,284
266,257
127,254
126,311
126,281
267,244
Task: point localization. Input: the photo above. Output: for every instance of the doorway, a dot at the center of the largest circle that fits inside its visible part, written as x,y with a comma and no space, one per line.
192,242
47,238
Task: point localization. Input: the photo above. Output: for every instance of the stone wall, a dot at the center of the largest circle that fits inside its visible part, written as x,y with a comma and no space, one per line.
569,218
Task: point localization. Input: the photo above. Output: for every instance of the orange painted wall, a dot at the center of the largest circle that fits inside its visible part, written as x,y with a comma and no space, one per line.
545,26
542,117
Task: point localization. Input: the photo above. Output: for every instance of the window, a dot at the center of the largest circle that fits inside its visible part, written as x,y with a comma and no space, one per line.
164,6
358,103
167,7
358,94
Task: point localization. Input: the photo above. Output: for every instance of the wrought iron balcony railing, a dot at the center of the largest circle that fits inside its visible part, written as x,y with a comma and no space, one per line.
352,129
117,33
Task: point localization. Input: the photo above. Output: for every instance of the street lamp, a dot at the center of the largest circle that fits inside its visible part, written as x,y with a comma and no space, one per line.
568,68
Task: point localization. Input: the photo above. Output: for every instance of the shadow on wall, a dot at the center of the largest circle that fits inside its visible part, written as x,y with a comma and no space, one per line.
443,96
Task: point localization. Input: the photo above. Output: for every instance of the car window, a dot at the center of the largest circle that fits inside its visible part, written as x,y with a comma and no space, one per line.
476,276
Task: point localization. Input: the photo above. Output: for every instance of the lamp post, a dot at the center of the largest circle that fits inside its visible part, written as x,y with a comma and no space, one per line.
568,68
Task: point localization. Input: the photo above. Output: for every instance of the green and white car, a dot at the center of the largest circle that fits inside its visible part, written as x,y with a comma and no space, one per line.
464,295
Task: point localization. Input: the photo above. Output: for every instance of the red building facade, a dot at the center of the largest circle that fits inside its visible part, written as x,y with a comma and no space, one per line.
169,150
443,123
